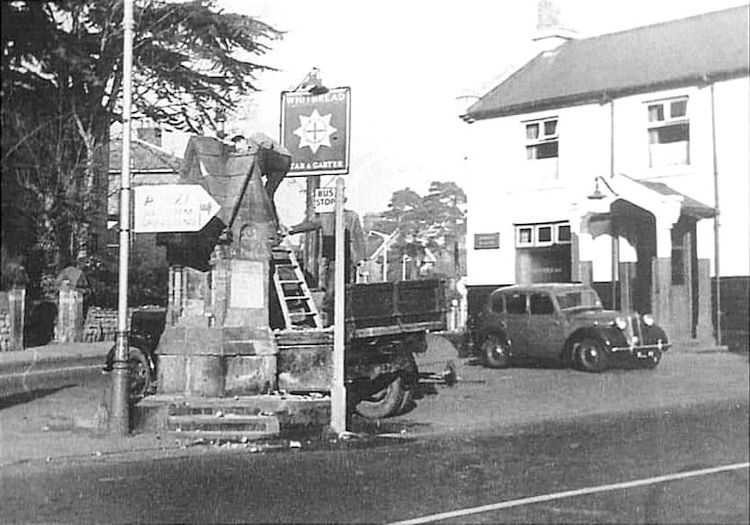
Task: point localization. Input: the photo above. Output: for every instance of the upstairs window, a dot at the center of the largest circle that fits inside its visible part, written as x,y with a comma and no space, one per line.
668,133
541,139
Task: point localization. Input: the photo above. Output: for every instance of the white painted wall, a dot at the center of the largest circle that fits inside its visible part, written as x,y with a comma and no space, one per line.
503,188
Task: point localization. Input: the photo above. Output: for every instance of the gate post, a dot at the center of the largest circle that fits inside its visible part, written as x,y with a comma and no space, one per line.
70,285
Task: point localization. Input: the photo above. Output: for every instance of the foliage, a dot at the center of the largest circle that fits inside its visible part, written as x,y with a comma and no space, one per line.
430,225
62,74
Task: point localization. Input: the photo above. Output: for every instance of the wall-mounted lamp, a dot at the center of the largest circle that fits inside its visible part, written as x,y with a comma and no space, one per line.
598,195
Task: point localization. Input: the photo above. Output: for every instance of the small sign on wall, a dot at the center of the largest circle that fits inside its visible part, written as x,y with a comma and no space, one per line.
246,284
487,241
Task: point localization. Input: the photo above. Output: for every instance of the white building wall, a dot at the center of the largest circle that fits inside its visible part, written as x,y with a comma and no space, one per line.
733,137
504,188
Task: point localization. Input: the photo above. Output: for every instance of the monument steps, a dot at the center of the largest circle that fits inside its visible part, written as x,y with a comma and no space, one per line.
245,418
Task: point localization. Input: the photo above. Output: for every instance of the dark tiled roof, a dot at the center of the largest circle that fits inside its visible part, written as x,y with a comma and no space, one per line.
690,206
670,54
145,157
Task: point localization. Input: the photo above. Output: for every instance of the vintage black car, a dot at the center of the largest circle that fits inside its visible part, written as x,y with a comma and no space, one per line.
566,322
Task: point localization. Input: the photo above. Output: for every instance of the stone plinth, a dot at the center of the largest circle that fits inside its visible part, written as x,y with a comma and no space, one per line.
215,362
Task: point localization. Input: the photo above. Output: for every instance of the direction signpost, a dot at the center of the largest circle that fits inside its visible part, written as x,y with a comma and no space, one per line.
173,208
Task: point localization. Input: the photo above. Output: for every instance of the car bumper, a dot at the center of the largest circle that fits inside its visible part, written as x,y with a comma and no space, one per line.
642,351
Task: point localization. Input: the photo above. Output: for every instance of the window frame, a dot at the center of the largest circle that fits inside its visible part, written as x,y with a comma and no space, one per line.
560,225
532,239
667,121
507,303
538,228
534,236
546,295
542,138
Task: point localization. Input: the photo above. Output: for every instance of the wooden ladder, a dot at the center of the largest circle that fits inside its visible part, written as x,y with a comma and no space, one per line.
296,303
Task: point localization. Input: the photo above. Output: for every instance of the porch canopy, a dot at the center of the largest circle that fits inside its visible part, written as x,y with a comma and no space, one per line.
655,197
636,206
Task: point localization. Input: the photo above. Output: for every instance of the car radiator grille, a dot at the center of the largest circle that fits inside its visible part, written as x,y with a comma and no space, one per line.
634,329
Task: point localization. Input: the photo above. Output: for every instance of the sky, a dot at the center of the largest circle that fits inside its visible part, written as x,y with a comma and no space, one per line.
406,62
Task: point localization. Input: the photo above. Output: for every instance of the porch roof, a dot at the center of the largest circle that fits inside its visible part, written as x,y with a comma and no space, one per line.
657,198
689,205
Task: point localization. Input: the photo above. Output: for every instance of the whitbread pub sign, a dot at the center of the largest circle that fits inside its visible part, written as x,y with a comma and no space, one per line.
315,130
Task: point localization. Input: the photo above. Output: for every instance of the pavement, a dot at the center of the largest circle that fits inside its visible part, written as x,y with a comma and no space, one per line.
57,418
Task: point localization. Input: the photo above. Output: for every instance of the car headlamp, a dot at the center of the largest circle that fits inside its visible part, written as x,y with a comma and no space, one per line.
621,323
648,319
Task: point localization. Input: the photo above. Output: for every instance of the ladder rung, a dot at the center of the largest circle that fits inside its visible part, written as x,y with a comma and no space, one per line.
301,314
297,298
289,281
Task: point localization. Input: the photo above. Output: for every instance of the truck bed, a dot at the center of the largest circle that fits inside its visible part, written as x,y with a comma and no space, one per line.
377,309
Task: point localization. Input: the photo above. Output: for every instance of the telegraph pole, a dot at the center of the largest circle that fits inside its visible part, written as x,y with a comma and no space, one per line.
119,419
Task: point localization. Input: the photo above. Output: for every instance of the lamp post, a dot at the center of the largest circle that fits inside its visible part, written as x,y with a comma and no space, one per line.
387,241
119,418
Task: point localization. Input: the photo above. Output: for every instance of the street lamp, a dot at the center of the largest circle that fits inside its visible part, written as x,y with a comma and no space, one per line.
387,241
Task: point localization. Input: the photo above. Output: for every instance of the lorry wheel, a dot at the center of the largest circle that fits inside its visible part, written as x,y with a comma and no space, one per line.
139,374
590,355
386,402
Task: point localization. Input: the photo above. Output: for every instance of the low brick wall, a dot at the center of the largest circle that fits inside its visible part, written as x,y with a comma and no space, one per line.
5,342
101,324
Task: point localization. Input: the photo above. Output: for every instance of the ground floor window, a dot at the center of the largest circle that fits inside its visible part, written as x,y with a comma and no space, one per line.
543,252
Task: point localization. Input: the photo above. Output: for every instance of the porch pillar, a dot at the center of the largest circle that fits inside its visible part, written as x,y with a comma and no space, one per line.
583,267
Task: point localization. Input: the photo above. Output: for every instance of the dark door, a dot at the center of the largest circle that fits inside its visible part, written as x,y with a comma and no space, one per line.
544,336
517,320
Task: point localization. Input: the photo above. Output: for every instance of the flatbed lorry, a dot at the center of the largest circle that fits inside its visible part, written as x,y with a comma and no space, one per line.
386,325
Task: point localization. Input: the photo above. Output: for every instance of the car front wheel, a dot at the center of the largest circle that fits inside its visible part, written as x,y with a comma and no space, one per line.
589,355
495,352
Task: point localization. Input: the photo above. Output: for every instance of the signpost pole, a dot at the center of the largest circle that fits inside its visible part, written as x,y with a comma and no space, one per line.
311,238
119,420
338,390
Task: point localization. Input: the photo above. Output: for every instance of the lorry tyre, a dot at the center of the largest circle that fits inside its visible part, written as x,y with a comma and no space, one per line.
385,402
139,374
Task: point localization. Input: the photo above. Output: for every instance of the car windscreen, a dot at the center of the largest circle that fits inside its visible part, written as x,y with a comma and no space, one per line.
578,299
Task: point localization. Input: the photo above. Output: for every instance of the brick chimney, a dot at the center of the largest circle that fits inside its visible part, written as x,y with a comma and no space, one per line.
551,29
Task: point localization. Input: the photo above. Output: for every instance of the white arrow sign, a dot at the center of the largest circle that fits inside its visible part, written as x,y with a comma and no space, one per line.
173,208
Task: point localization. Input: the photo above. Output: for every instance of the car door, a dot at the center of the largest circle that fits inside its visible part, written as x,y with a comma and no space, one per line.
545,328
517,320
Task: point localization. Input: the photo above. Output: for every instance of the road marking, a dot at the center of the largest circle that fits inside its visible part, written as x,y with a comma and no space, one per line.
571,494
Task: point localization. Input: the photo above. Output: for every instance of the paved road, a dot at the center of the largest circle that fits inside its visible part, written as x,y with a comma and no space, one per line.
388,480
